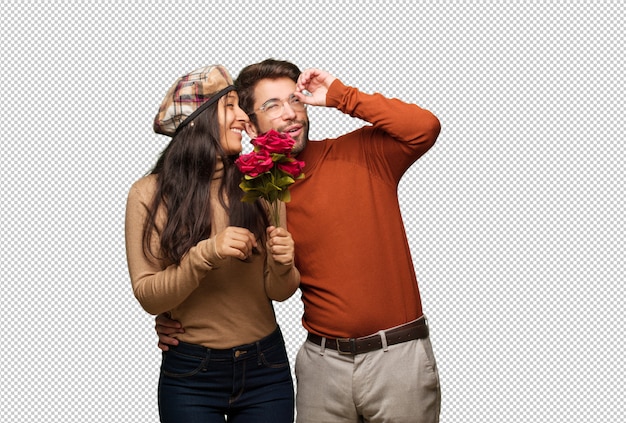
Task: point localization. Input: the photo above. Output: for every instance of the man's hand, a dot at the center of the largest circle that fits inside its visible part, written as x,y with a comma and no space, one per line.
316,82
165,327
280,245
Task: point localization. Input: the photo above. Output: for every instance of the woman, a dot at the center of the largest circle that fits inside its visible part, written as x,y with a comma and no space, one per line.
212,261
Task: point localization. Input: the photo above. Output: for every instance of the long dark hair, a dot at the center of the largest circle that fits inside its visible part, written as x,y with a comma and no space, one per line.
184,172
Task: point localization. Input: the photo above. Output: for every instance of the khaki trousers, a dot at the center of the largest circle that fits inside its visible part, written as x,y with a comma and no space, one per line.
398,385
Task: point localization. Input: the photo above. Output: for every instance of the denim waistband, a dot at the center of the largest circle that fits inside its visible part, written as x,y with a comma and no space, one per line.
250,349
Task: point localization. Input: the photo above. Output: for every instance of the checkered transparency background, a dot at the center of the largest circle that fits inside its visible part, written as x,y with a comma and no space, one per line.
514,218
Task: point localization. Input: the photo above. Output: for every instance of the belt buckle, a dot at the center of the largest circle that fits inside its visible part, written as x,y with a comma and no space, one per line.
352,344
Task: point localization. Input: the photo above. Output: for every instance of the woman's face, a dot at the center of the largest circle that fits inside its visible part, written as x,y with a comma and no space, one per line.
232,122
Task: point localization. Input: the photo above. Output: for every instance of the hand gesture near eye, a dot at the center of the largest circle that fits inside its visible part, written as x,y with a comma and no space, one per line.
316,82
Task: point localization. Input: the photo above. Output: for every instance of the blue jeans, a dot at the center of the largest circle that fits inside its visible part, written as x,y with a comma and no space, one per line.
248,383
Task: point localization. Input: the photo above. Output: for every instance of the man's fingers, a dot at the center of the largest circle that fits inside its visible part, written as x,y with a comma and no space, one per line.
168,330
165,339
163,319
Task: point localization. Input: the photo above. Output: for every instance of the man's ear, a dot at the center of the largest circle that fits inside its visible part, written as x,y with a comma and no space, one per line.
251,130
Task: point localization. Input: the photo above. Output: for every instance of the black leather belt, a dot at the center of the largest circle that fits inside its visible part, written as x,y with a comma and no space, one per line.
416,329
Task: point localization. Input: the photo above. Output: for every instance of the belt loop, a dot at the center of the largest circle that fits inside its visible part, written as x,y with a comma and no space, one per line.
207,359
259,353
323,346
383,338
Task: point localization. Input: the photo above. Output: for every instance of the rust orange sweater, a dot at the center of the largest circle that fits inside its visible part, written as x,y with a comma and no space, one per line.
357,274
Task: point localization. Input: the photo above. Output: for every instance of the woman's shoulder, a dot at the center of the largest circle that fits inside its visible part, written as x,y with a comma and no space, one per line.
144,188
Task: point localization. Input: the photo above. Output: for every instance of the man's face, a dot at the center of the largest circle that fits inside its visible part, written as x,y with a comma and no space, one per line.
290,121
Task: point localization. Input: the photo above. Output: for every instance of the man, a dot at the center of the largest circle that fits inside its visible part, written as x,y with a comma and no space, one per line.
367,356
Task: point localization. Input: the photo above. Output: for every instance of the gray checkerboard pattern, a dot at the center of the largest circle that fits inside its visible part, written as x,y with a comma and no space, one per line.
515,217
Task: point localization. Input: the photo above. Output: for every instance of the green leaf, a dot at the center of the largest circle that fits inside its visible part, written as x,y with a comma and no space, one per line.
285,180
285,196
250,197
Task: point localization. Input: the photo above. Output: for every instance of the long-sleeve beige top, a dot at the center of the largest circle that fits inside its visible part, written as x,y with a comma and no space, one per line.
221,303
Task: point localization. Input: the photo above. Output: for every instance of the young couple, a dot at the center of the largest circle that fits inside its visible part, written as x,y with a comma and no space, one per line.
213,264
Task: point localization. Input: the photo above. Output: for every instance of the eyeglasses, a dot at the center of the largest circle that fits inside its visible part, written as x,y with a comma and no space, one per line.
275,108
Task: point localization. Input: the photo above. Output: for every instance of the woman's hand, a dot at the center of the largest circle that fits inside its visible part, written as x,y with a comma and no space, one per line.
235,242
280,245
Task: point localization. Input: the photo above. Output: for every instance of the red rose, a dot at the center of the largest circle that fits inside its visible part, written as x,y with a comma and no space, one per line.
255,163
274,142
293,167
272,159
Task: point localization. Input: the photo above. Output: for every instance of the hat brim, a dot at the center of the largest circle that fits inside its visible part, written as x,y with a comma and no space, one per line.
203,106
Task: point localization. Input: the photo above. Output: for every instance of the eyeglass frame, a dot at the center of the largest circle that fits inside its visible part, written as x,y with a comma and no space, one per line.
281,102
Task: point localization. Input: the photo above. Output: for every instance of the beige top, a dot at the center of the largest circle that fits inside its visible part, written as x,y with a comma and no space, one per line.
221,303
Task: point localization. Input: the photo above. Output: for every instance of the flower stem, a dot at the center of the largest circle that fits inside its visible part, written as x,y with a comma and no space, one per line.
276,213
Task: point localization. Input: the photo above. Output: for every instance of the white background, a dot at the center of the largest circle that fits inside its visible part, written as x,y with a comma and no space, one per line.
515,218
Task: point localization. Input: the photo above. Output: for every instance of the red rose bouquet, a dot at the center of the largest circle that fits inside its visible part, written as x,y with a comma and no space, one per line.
269,170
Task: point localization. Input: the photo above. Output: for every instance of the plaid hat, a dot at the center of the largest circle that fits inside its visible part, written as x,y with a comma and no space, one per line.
189,96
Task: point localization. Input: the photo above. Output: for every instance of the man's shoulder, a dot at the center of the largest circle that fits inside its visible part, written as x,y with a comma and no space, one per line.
345,138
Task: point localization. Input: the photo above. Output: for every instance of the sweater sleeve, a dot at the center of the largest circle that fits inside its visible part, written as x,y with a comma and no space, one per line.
158,287
400,133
